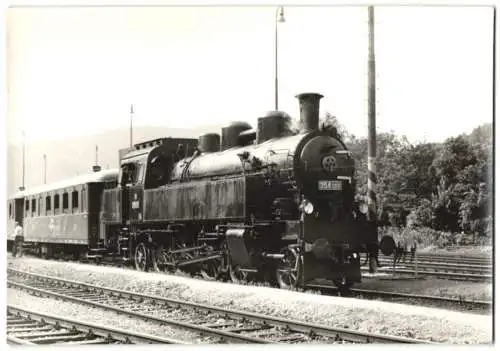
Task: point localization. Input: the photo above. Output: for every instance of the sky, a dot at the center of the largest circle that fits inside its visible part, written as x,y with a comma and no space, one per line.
77,70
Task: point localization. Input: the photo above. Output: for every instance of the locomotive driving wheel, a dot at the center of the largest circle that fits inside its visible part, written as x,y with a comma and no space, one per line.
162,260
141,257
289,269
237,275
211,269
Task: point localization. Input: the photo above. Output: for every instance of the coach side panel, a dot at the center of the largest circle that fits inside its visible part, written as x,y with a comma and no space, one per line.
61,221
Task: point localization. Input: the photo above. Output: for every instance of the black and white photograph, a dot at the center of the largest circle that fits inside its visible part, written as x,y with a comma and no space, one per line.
222,173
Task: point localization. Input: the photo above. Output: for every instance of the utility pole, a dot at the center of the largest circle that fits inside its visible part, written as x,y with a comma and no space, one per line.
494,58
22,187
372,132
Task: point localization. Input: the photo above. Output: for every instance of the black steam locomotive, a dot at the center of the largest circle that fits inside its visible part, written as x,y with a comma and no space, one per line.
270,204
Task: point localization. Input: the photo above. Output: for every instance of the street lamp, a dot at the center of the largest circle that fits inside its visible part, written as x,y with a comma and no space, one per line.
22,187
279,17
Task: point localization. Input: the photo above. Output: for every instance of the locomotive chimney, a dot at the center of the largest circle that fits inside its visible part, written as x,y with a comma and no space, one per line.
309,111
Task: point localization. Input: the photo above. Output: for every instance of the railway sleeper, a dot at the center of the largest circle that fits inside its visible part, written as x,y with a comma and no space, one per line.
89,342
247,329
23,330
48,333
22,323
62,338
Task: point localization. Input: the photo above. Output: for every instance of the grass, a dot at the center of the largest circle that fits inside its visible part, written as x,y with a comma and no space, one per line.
430,240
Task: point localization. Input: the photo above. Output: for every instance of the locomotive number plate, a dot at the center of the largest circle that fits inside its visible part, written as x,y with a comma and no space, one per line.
329,185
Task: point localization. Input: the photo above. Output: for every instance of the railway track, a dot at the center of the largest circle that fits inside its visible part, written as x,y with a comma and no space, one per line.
432,301
447,267
224,325
25,327
430,267
407,270
485,261
462,266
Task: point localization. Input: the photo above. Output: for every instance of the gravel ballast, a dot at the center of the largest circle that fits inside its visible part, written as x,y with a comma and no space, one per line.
97,316
424,323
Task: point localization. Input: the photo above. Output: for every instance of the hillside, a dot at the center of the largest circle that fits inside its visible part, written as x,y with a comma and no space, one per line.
71,156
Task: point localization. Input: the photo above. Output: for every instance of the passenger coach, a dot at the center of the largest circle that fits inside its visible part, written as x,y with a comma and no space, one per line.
60,216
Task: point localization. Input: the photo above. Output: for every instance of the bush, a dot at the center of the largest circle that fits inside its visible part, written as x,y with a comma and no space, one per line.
425,237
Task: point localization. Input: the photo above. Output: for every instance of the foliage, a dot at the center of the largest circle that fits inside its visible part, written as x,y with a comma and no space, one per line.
439,186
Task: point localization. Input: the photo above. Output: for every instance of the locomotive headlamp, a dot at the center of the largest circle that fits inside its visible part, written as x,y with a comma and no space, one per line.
363,208
307,206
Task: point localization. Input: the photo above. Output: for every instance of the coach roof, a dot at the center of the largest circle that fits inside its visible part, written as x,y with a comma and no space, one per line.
95,177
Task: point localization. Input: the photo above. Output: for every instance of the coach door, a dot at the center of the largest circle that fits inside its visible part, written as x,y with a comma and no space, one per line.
19,210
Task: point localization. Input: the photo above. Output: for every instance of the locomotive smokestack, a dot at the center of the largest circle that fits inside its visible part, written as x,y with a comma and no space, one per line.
309,111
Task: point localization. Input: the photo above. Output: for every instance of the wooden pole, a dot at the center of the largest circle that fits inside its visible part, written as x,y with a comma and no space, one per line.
372,134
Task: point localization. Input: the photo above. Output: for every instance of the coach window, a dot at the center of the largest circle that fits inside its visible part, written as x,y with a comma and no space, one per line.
65,202
33,206
10,209
74,201
84,201
56,204
47,204
27,207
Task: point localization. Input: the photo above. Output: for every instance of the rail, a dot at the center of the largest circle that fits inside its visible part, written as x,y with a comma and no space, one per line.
26,327
265,329
467,303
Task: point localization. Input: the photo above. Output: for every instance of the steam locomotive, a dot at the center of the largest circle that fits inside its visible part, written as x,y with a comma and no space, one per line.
271,204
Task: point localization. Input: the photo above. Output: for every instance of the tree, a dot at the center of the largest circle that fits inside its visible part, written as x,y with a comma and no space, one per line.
331,122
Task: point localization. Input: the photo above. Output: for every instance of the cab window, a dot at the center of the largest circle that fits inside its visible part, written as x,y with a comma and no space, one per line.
128,174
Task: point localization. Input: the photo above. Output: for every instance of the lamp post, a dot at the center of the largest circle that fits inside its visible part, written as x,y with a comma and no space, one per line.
279,17
22,187
44,169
